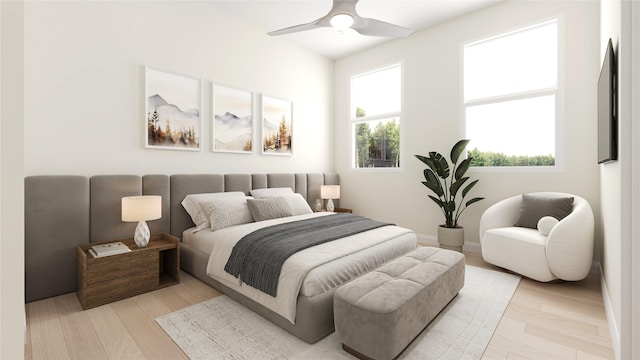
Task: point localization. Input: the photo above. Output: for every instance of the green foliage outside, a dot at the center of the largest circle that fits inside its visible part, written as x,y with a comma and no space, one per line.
488,158
379,147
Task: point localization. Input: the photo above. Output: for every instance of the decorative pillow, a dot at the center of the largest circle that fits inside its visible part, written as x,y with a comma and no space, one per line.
270,192
191,204
269,208
546,223
297,203
225,212
535,207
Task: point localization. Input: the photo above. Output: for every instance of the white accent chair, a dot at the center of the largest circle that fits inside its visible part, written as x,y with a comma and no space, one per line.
566,253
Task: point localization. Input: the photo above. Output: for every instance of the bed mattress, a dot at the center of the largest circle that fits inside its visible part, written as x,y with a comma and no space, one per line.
330,264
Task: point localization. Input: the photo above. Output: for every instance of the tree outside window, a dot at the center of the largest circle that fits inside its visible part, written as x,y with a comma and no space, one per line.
376,115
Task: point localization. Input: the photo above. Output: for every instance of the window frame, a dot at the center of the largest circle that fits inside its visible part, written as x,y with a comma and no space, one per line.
558,91
371,118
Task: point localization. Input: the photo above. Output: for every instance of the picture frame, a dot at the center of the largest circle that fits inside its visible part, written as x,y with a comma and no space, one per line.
232,120
277,126
173,108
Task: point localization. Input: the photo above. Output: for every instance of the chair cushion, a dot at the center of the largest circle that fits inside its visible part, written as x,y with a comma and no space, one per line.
518,249
534,207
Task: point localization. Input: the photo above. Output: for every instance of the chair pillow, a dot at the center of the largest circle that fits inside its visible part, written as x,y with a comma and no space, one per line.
269,208
546,223
535,207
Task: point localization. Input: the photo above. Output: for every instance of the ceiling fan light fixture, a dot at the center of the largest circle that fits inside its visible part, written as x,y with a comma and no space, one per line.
341,21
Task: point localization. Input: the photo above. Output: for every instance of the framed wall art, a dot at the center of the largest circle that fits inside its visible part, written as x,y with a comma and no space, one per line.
173,108
232,128
277,137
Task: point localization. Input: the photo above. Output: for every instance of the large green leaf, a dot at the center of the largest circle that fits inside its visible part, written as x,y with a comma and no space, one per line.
437,201
458,149
422,158
432,182
453,190
440,165
429,161
474,200
462,168
468,188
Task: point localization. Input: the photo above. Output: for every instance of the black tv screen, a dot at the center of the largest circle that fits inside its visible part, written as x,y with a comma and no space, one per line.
607,119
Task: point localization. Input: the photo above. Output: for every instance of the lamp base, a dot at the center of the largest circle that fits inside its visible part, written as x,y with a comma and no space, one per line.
142,234
330,206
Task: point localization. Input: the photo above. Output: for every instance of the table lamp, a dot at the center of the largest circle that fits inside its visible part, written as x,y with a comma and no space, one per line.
141,209
330,192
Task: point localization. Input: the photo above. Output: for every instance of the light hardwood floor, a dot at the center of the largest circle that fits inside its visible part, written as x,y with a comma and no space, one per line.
543,321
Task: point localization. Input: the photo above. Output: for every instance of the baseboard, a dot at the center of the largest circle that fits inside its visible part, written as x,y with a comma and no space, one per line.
611,319
430,240
427,240
472,247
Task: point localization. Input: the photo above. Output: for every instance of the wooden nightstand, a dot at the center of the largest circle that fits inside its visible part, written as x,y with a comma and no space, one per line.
111,278
342,210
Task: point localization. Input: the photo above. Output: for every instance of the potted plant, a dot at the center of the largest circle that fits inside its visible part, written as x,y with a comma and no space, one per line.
447,183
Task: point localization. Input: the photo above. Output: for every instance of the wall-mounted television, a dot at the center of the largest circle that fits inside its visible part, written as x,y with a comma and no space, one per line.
607,108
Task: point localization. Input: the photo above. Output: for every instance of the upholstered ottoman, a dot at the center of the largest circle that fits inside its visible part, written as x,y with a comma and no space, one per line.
378,314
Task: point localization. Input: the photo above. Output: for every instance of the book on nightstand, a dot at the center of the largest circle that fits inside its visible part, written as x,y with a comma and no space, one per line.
108,249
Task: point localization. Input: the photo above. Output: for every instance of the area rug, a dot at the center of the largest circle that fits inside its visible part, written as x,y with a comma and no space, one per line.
220,328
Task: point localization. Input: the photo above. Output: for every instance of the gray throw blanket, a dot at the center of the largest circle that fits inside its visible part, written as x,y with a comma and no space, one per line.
258,257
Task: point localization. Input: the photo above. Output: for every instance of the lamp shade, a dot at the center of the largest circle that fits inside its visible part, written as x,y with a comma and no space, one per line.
141,208
330,191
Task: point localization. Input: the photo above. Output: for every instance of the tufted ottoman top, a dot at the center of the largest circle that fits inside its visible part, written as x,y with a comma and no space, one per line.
393,284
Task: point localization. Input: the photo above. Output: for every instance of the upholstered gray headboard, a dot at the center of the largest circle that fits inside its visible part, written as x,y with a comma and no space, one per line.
62,212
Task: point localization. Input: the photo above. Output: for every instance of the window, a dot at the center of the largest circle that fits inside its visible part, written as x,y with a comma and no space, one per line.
376,99
510,91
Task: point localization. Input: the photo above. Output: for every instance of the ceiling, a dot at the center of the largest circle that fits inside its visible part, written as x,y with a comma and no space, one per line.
271,15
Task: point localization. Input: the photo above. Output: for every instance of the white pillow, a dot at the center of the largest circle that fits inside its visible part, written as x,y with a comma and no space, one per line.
225,212
271,192
546,223
269,208
191,204
298,205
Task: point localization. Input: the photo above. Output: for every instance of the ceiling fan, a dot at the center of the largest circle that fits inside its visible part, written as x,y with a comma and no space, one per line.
343,15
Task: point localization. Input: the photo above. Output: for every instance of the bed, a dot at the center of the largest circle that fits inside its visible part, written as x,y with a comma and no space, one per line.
311,317
88,211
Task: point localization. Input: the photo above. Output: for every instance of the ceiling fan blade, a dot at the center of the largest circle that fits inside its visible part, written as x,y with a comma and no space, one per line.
302,27
373,27
339,6
364,26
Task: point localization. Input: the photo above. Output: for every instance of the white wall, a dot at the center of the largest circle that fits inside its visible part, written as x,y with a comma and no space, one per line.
610,189
619,185
84,86
84,102
432,115
634,306
12,314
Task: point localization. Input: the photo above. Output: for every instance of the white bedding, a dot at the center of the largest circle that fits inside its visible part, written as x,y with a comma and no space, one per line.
310,271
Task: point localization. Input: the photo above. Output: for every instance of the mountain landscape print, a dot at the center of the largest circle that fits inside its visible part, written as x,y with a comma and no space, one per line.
277,137
173,111
232,120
